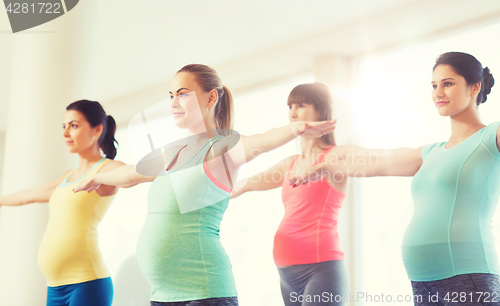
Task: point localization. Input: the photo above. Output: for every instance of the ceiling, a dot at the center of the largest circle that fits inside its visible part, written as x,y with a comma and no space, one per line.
140,45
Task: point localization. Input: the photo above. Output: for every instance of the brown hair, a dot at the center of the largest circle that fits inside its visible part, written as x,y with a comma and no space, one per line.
95,115
208,79
319,96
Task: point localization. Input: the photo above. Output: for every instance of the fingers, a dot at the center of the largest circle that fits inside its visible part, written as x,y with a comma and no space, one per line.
314,174
328,130
323,127
298,180
323,124
86,186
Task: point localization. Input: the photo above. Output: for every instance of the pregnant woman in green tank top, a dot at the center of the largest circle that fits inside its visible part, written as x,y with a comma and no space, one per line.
179,249
448,248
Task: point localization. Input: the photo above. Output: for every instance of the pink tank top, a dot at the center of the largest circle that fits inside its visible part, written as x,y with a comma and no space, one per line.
308,232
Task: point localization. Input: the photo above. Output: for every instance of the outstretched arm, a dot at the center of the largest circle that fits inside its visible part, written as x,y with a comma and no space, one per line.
269,179
40,194
124,176
406,164
255,145
357,150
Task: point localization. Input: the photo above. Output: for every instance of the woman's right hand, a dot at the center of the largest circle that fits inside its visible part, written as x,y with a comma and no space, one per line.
87,184
312,128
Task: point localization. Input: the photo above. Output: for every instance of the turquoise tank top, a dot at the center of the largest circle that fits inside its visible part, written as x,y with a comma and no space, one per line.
179,249
455,193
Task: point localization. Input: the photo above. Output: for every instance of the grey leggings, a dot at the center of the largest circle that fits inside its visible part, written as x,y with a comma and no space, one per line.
221,301
475,289
317,284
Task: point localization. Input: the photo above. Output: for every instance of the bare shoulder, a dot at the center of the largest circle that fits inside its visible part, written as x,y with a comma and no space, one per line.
111,165
58,180
341,150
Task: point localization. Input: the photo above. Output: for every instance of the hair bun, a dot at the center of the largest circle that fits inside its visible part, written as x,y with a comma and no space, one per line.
488,80
487,83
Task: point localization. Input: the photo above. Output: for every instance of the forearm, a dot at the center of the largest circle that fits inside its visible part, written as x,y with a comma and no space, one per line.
272,139
259,182
405,164
402,162
393,152
368,166
19,198
357,152
124,176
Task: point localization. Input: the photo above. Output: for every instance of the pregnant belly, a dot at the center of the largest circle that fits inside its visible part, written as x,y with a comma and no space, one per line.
63,253
296,243
167,249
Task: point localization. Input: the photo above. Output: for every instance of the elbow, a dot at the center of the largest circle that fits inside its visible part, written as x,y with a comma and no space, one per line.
254,153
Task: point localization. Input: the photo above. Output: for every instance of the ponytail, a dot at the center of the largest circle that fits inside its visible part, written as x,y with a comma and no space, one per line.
224,111
107,139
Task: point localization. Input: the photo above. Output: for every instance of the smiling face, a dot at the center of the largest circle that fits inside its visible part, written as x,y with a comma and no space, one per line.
78,134
451,94
190,104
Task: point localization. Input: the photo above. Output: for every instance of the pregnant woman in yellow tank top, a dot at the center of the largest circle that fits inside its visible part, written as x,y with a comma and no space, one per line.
69,255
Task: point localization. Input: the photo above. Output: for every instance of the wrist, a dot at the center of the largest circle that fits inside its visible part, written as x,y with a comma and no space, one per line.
93,179
294,128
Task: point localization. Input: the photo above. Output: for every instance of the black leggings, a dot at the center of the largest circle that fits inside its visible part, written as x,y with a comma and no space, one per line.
475,289
221,301
317,284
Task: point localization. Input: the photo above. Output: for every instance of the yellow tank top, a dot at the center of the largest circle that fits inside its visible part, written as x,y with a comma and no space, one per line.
69,251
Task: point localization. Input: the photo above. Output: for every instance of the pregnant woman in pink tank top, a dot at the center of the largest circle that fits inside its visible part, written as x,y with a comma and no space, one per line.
306,247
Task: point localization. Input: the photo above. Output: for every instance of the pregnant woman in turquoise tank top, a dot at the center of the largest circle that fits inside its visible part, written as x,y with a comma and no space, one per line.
179,249
448,248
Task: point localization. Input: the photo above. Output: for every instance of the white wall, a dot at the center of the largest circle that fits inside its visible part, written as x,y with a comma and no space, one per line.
2,149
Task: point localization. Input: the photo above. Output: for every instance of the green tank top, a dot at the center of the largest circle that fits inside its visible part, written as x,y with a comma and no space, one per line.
455,193
179,249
